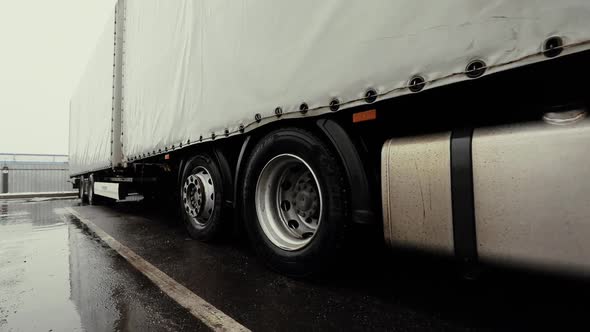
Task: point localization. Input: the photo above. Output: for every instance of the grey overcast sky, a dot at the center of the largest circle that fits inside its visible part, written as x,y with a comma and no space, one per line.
45,45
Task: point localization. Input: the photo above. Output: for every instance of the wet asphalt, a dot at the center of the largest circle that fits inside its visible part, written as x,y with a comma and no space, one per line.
57,276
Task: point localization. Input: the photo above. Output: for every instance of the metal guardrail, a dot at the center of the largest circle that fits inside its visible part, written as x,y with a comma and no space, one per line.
34,173
33,157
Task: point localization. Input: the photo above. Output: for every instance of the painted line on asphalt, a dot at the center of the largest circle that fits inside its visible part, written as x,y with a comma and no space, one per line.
198,307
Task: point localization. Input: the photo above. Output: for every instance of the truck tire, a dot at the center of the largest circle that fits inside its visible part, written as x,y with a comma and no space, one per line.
92,198
201,198
295,202
81,194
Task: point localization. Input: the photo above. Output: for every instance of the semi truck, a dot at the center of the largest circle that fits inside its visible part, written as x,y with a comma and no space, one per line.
450,127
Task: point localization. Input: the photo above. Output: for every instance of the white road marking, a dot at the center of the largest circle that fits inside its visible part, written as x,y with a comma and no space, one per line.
201,309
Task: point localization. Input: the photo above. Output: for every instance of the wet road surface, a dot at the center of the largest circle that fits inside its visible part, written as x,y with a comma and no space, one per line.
56,275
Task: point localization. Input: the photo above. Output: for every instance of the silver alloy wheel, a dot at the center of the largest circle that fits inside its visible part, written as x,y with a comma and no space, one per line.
198,196
288,202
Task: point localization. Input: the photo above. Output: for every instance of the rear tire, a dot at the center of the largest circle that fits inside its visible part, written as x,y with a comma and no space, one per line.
296,203
202,197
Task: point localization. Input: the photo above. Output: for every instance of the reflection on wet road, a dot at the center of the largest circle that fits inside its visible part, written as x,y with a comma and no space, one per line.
34,269
56,276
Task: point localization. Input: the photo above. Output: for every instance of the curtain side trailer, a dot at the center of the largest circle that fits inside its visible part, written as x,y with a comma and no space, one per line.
458,128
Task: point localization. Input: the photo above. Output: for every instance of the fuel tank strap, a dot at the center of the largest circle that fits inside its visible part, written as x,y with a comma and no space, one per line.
464,233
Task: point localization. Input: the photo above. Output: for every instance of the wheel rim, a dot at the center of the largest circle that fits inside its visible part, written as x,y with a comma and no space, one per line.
288,202
198,196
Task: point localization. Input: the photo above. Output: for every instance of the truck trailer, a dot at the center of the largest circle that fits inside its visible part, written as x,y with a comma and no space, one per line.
453,127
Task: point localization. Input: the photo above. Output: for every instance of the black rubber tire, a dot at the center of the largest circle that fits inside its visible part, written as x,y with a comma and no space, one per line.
83,197
216,225
92,198
325,248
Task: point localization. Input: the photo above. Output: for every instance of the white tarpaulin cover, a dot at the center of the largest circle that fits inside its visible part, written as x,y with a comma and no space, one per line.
91,110
197,67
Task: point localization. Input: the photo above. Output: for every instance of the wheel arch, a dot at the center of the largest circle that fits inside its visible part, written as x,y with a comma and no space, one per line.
362,189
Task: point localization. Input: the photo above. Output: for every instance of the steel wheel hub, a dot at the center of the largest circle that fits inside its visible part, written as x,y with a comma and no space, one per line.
198,196
288,202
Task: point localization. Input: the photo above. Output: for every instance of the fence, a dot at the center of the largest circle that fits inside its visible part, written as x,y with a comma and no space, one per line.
33,173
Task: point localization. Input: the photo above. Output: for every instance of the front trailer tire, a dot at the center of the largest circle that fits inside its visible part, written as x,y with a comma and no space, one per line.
201,199
292,251
82,192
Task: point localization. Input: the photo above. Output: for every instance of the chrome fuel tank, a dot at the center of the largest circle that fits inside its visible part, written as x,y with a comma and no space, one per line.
522,195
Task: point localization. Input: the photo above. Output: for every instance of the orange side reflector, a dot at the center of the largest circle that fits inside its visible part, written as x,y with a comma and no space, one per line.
167,157
364,116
